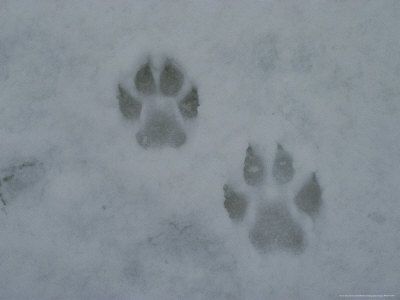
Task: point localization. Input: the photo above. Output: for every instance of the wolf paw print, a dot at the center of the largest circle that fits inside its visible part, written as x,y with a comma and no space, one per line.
162,101
275,227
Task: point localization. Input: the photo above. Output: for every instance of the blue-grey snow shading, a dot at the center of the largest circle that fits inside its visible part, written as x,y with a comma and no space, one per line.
107,219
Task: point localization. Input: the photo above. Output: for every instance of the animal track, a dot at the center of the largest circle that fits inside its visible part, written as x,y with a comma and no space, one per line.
161,103
275,228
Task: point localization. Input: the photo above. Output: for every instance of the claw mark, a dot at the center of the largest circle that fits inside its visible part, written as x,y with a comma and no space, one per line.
1,195
2,199
282,170
9,177
144,80
253,171
235,204
176,227
26,164
308,199
188,106
18,177
5,179
171,79
129,106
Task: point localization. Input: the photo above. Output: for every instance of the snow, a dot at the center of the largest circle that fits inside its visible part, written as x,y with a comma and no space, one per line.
99,217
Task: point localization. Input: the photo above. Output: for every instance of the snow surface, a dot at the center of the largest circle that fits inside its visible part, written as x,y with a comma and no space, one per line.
102,218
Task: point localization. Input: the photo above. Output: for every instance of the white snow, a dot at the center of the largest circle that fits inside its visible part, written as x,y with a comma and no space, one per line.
103,218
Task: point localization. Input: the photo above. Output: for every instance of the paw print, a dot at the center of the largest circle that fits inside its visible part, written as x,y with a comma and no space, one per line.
275,227
162,102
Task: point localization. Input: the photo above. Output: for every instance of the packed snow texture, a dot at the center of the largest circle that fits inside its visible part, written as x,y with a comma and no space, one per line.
88,213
